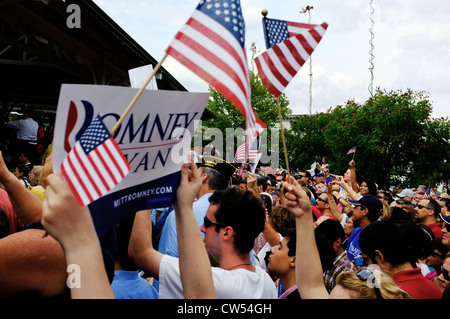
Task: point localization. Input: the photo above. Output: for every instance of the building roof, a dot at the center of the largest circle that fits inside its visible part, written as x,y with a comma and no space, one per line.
39,51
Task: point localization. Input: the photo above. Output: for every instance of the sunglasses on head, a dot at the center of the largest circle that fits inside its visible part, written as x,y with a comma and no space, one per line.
366,274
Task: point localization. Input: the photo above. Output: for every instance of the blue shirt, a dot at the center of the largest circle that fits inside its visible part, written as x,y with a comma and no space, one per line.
353,249
129,285
168,242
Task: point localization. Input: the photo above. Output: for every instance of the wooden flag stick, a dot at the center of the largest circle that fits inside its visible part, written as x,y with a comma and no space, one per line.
283,139
137,96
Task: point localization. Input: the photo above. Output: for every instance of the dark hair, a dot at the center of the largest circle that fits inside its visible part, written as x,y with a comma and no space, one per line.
263,182
371,186
291,236
326,234
307,174
446,202
434,205
243,211
24,169
438,245
399,241
216,181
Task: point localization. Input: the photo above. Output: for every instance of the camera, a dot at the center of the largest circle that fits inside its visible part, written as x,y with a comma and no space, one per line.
278,185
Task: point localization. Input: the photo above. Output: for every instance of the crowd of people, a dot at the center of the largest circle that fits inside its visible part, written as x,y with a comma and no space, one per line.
229,234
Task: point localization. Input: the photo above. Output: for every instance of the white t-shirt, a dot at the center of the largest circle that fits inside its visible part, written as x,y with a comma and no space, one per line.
235,284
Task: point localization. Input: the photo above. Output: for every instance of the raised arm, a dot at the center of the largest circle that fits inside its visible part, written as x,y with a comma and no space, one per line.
195,267
26,205
354,184
308,269
140,248
332,202
73,227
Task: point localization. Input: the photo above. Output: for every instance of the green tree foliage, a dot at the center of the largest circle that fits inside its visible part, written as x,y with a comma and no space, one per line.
226,115
397,141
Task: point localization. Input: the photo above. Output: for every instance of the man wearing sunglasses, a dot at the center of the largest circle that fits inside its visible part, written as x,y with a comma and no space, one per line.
232,221
427,212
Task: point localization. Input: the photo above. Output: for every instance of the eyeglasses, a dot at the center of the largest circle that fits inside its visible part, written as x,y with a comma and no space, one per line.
445,273
208,223
366,274
420,206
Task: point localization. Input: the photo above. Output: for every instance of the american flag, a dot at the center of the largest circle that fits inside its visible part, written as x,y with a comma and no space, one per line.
427,193
95,164
252,155
280,63
351,151
211,44
277,31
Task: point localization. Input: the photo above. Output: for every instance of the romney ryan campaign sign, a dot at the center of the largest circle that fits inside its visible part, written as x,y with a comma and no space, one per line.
155,137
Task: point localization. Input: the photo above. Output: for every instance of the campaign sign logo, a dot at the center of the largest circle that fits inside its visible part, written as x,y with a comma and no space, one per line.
155,138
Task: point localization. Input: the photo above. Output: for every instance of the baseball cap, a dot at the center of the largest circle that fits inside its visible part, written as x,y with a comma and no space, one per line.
446,219
371,202
406,192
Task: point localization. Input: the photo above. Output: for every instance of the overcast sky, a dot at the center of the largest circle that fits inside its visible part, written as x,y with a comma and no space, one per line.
411,45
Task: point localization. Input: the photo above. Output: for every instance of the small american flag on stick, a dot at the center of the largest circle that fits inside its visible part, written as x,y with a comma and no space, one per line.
95,164
280,63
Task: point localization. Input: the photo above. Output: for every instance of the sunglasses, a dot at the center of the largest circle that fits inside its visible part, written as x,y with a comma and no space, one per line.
445,273
322,200
367,274
435,254
208,223
420,207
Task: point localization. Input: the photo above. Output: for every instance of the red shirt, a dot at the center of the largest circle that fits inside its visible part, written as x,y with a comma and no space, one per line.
436,228
414,283
6,205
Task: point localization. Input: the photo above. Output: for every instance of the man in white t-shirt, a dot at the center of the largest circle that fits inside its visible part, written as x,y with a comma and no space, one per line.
232,222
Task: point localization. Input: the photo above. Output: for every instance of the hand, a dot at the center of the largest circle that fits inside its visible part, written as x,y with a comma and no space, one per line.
190,184
352,164
251,181
62,217
297,200
340,181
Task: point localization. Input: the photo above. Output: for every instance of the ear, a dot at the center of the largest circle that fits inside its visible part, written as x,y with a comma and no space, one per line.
379,257
204,178
228,232
337,243
292,262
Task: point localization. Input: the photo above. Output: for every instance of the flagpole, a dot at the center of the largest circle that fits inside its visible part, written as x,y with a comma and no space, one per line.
137,96
283,139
